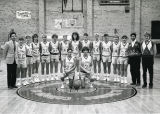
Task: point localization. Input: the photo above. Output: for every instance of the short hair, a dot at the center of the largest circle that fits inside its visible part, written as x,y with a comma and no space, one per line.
134,34
85,49
75,33
11,34
116,36
34,36
21,38
147,34
54,36
124,36
105,35
28,37
69,49
85,34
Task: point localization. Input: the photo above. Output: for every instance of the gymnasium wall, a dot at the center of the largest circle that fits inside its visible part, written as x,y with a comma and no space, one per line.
8,18
94,19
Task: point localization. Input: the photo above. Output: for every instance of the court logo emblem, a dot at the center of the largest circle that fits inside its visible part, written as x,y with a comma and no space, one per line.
101,92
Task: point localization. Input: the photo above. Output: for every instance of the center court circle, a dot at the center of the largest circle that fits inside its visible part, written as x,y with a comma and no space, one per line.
102,92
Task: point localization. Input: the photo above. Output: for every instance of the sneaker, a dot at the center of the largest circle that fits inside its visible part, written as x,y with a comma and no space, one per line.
118,78
47,78
125,80
150,86
122,80
19,83
115,78
42,78
62,86
27,82
56,77
97,77
91,86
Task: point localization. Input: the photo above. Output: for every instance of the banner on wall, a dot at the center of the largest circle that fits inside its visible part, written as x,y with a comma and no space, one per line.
23,14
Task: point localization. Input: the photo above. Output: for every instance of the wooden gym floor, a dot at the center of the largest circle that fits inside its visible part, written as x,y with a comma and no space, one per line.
147,101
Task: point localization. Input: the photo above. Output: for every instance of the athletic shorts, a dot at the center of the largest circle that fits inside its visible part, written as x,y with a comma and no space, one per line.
115,60
71,75
106,58
45,59
63,57
123,60
84,75
96,57
55,58
36,59
29,60
22,64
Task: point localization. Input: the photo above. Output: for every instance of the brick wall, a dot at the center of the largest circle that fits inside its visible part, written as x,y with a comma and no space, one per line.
95,18
8,18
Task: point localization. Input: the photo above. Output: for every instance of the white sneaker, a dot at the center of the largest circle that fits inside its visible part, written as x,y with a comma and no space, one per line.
27,82
24,82
56,77
118,78
91,86
125,80
122,80
62,86
42,78
19,83
115,78
98,77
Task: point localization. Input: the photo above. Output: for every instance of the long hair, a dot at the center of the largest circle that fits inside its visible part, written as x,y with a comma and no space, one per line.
75,33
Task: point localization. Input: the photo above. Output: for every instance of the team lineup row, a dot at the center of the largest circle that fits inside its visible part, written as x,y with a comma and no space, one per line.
77,57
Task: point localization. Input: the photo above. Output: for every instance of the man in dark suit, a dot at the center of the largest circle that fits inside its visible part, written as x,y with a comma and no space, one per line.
9,56
135,59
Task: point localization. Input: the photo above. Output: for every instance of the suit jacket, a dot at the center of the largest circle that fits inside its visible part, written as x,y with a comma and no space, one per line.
135,50
9,53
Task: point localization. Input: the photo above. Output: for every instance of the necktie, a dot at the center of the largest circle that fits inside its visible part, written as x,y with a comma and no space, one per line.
14,46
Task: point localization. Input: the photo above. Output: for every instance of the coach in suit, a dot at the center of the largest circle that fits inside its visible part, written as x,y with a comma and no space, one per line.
9,56
135,59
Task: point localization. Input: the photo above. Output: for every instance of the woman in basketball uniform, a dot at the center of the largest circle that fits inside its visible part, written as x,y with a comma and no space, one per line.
29,57
148,50
86,42
64,45
45,57
85,66
96,50
106,56
124,58
115,58
75,44
55,54
69,68
36,58
21,61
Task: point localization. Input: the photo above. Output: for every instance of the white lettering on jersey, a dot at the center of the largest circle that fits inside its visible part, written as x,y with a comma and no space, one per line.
96,45
45,48
55,47
106,48
115,49
124,49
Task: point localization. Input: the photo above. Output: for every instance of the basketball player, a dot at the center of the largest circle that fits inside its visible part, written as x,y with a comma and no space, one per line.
21,62
29,57
45,57
85,67
115,58
96,56
86,42
76,45
124,58
55,54
69,68
106,56
36,58
64,45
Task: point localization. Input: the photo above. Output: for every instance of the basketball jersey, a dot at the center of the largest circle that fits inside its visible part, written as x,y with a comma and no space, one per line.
115,49
21,54
35,48
86,44
75,46
106,48
64,47
69,63
54,46
124,49
45,48
86,62
29,49
96,45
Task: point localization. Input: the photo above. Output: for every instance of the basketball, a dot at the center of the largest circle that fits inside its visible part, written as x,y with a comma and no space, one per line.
77,84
